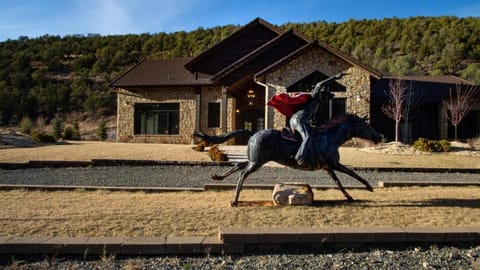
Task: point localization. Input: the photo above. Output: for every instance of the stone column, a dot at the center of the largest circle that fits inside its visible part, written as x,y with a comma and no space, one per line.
198,107
224,109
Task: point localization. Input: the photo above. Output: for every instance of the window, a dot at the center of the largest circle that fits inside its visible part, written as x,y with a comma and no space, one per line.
339,105
213,114
330,109
157,118
308,83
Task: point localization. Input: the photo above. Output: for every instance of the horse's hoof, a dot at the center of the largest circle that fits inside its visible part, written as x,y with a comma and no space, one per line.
301,162
370,188
233,204
216,177
350,199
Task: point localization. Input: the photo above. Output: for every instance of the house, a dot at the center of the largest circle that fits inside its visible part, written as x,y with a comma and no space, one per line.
227,87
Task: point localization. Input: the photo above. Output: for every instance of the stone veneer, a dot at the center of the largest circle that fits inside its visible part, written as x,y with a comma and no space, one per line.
185,96
357,81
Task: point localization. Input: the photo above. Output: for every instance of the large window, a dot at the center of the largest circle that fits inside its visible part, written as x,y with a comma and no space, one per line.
157,118
213,114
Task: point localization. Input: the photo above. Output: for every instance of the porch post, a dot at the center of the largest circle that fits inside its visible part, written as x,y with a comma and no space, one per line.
224,112
269,112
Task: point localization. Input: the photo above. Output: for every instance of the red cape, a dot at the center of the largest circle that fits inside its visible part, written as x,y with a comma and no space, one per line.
287,104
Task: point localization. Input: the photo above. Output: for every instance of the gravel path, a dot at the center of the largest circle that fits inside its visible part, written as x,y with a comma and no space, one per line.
374,258
198,176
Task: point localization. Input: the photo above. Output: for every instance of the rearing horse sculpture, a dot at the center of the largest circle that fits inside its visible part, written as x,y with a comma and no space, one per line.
274,145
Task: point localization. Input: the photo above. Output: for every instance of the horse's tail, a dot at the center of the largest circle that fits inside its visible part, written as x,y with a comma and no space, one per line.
221,138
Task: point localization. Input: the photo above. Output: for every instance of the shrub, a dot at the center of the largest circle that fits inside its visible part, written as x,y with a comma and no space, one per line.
427,145
68,133
216,154
444,145
200,146
102,131
42,137
76,131
56,128
26,125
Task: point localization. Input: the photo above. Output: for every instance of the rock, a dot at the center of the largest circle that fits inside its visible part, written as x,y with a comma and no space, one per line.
292,194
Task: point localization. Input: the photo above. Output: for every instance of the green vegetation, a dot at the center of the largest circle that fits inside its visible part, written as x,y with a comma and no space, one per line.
102,131
426,145
51,76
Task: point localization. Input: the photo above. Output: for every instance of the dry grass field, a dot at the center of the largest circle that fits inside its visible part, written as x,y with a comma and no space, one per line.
385,156
82,213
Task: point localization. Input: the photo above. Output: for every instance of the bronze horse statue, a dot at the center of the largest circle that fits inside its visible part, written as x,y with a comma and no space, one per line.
281,147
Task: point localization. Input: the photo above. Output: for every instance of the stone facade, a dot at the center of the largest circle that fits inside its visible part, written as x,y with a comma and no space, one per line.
187,97
357,82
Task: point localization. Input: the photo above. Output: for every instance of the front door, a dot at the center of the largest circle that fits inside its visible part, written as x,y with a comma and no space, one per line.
252,120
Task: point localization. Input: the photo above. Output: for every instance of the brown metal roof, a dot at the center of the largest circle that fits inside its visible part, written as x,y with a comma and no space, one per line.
326,47
160,72
448,79
229,50
263,56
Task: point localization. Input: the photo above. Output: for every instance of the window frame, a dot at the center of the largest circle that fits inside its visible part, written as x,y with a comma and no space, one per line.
151,118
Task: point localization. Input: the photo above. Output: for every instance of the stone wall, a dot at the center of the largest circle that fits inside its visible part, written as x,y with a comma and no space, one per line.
357,82
185,96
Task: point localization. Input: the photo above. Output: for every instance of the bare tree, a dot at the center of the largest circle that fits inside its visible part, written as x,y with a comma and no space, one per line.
394,108
458,104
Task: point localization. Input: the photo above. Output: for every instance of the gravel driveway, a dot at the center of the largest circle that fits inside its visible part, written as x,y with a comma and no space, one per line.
198,176
373,258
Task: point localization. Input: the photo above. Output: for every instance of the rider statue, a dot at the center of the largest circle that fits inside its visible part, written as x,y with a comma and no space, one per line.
306,116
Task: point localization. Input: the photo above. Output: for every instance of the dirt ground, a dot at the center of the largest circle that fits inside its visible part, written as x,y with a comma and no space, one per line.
385,155
26,213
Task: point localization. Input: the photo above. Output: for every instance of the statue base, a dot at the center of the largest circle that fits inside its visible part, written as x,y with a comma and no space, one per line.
292,194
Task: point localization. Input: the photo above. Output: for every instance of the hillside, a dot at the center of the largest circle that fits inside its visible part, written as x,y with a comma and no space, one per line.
64,77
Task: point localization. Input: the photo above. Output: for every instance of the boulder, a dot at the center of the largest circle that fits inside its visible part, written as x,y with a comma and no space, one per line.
292,194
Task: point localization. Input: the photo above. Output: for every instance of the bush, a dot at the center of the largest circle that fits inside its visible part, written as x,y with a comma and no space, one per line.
76,131
26,125
68,133
102,131
71,133
216,154
445,145
427,145
200,146
42,137
56,128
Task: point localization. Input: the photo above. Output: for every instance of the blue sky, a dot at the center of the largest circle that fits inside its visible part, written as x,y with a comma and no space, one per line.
35,18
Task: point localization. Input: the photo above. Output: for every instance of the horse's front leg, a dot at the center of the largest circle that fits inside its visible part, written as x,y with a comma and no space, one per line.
251,167
234,202
236,167
339,167
339,184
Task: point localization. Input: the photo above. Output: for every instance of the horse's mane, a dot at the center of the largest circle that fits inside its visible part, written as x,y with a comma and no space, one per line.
339,119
